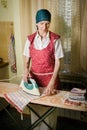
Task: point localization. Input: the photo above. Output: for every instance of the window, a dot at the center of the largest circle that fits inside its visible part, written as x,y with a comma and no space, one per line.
66,22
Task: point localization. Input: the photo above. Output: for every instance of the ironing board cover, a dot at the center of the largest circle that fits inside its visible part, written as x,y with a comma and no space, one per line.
19,99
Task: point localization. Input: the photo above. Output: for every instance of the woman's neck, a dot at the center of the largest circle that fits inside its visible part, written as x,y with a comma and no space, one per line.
42,34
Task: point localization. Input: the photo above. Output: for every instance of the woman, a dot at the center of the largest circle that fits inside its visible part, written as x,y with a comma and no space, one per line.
43,52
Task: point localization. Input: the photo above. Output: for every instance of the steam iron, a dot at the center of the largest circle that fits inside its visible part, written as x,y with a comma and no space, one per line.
30,87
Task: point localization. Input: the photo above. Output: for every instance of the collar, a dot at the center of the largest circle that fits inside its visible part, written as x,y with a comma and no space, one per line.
38,36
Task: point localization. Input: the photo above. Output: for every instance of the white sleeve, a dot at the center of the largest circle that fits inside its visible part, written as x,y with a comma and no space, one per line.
58,49
26,48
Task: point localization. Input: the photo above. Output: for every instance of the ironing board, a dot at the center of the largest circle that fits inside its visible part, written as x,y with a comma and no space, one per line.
6,88
54,101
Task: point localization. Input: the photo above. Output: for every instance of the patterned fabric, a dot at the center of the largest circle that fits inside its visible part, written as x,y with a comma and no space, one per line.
11,54
19,99
43,61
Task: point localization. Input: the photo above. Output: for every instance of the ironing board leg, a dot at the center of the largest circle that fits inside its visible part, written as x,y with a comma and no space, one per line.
41,118
9,114
38,116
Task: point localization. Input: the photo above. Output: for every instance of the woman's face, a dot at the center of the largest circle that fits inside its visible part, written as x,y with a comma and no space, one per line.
43,26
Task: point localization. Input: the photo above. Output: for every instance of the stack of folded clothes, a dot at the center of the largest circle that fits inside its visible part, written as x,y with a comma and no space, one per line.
76,97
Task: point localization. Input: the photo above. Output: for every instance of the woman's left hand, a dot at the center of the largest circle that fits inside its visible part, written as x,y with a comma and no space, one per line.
50,90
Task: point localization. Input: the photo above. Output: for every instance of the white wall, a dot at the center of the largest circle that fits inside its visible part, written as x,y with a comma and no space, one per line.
6,14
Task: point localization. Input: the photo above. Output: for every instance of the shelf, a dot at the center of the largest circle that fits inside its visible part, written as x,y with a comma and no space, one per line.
3,64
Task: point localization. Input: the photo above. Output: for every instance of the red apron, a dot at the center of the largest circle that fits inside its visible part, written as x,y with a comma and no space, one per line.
43,61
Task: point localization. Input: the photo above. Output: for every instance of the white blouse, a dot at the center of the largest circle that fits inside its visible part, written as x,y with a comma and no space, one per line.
43,43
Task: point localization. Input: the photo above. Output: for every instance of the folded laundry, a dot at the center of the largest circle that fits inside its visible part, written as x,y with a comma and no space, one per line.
78,91
75,97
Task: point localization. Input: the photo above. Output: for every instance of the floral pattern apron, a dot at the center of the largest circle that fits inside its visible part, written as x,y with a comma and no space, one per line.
43,61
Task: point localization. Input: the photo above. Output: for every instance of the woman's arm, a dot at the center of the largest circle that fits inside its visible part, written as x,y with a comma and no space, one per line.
27,60
27,67
50,88
58,55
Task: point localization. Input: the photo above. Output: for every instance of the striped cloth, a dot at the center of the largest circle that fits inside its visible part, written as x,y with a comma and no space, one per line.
19,99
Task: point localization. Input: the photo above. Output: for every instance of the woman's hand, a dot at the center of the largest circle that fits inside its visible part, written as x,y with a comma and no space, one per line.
27,74
50,90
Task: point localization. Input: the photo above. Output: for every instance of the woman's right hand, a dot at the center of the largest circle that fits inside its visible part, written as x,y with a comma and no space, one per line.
26,75
27,72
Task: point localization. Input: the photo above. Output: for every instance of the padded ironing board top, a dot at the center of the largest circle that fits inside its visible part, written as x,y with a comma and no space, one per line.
53,100
7,87
57,101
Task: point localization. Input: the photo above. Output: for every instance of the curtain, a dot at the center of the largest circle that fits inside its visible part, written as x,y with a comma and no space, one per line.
67,22
83,50
75,37
28,10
